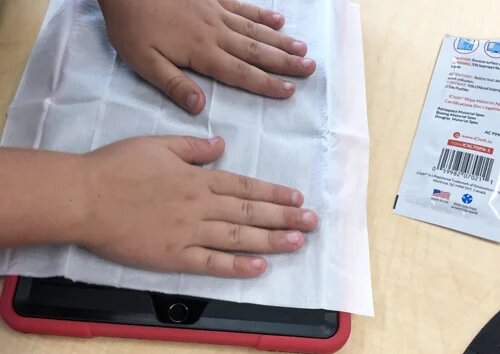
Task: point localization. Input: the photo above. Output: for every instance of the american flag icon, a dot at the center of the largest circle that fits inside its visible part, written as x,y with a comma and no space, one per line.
441,194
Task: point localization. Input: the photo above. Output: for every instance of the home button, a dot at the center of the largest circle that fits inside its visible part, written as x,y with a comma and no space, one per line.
178,312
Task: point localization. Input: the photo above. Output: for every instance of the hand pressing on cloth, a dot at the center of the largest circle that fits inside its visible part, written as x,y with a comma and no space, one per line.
230,41
142,202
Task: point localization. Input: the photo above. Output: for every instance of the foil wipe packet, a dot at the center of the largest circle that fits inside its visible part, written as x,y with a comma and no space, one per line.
452,175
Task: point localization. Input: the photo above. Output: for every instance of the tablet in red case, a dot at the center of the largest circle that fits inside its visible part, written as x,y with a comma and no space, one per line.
60,307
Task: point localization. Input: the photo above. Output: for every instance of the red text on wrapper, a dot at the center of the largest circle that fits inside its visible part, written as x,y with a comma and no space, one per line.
469,146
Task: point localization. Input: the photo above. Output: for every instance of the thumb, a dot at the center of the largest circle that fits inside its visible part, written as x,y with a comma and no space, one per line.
173,82
195,150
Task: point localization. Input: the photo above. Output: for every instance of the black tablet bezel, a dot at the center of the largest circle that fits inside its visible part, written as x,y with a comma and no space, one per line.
57,298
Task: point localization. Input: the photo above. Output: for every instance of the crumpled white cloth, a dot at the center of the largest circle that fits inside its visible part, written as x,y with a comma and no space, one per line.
76,95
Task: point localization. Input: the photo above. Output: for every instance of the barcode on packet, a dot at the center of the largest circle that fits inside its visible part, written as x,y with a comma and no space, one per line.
467,163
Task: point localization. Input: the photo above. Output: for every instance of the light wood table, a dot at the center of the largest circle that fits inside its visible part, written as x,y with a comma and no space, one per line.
433,288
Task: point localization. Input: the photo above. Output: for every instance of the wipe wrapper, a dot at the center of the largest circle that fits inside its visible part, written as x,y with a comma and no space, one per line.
76,95
452,175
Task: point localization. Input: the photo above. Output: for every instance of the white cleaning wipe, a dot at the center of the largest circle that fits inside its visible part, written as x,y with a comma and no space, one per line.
76,95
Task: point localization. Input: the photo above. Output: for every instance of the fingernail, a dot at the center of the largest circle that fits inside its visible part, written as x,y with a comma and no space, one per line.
298,46
213,141
308,217
293,237
191,101
296,197
258,263
306,63
277,18
288,86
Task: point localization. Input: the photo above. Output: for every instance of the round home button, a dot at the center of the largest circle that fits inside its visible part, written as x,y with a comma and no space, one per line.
178,312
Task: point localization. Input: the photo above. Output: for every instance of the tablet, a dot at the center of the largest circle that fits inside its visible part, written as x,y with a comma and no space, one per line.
61,307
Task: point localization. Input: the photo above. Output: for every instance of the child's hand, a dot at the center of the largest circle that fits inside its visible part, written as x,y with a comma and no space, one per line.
232,42
149,207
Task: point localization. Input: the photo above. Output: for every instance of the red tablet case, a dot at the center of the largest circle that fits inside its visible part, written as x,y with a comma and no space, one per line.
91,329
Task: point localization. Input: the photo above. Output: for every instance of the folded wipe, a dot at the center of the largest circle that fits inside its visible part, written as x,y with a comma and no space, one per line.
76,95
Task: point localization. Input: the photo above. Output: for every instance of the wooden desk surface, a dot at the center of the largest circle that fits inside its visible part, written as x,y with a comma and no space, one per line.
433,288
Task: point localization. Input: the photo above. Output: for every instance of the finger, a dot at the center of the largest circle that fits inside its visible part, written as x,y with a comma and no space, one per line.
209,262
235,72
267,57
173,82
229,184
232,237
262,214
254,13
194,150
265,34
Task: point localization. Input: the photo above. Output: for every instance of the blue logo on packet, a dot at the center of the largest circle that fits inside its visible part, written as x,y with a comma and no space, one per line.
493,47
467,198
465,44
